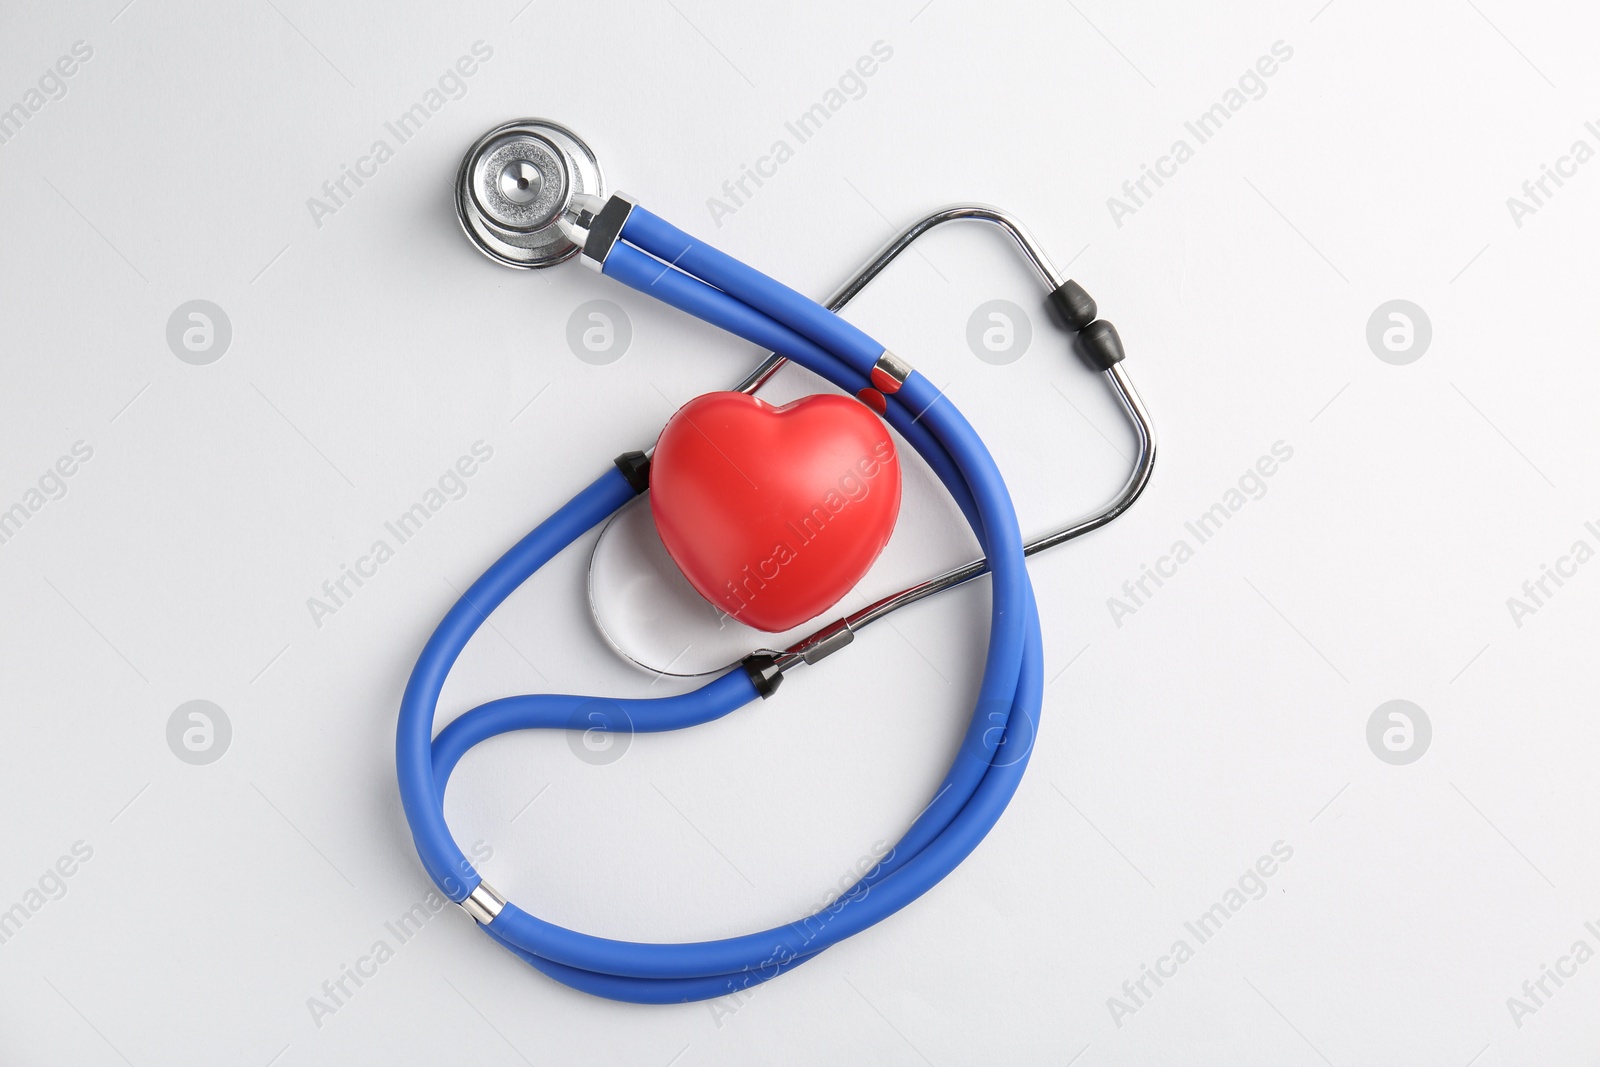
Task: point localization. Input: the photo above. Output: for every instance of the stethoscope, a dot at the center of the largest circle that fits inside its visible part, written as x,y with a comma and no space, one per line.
530,194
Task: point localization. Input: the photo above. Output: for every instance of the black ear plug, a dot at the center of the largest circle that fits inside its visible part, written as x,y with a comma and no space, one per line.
1097,339
1100,344
1075,306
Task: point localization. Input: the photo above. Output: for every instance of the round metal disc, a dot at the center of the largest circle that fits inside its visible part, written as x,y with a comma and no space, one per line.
514,183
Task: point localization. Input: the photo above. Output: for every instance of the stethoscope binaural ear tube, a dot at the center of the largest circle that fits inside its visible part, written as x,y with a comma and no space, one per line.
1097,342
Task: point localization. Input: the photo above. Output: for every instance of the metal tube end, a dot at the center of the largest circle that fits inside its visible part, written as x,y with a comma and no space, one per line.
890,372
484,903
595,224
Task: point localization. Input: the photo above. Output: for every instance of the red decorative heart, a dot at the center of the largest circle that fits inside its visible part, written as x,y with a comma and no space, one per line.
773,514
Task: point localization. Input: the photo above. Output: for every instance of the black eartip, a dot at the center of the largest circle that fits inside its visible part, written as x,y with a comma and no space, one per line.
1075,307
1100,344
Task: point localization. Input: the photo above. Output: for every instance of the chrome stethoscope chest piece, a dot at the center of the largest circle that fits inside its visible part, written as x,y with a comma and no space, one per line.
514,185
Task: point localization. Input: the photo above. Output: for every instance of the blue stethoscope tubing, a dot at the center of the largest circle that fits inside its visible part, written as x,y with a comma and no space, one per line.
663,261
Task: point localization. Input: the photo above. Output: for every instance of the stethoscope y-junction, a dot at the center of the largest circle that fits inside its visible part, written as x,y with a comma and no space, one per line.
530,194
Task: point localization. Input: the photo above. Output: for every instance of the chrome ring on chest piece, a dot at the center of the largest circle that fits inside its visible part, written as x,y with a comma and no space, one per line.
526,192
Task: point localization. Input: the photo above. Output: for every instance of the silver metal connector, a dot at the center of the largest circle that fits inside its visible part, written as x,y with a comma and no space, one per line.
890,373
595,224
483,904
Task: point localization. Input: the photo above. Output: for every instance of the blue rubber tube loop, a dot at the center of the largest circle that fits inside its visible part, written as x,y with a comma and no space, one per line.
443,859
993,752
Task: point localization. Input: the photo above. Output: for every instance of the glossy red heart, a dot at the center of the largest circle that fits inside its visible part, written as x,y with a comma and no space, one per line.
774,513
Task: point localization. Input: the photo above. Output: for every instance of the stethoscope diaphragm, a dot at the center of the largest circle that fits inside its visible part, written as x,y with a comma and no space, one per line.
513,185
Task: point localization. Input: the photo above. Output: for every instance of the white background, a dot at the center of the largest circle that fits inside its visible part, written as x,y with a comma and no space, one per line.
1227,714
